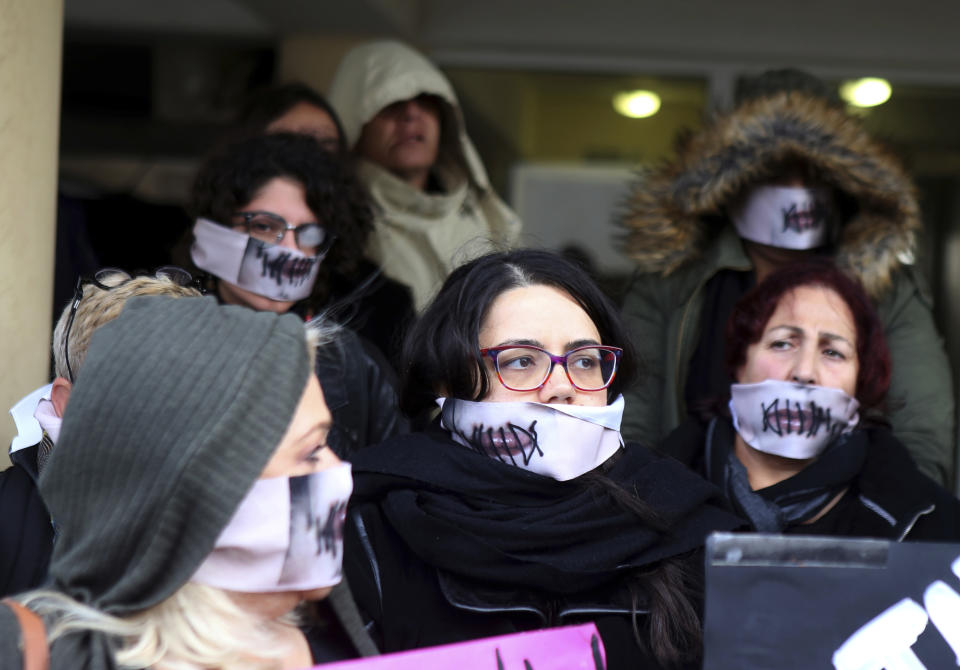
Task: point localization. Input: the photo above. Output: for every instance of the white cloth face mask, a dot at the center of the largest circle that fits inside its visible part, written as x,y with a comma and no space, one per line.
269,270
791,420
286,535
785,216
558,441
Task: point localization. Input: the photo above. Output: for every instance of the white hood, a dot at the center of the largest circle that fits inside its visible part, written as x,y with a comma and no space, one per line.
377,74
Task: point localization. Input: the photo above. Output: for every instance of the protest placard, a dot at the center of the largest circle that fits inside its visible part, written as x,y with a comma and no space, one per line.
785,602
567,648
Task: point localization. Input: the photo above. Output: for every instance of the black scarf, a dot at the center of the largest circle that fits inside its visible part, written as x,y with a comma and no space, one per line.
795,499
478,518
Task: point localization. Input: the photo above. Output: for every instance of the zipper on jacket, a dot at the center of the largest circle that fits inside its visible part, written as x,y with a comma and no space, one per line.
547,620
589,611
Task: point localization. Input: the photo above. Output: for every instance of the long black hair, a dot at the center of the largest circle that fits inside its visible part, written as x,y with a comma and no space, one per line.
441,351
441,356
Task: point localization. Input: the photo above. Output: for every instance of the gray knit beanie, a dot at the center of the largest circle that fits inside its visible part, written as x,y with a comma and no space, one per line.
181,404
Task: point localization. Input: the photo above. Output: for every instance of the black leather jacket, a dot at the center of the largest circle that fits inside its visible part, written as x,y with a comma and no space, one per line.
360,389
26,532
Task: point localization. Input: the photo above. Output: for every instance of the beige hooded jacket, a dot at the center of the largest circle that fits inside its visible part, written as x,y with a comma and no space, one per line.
420,237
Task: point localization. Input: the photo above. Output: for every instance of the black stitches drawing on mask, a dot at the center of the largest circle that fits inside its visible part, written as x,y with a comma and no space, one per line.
330,533
284,267
505,442
312,533
811,217
806,419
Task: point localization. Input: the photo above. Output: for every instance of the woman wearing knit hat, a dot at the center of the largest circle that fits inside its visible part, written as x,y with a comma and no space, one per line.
191,479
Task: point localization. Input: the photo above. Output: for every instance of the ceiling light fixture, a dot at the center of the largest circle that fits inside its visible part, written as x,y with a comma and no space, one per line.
637,104
866,92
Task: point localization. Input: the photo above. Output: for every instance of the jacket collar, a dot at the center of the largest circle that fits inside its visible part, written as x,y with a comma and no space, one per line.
727,252
475,596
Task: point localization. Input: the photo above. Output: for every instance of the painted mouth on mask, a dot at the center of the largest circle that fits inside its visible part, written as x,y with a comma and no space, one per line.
793,421
509,443
803,422
810,217
285,267
505,442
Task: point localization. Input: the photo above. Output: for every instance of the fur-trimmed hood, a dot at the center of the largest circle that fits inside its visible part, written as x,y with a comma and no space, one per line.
676,210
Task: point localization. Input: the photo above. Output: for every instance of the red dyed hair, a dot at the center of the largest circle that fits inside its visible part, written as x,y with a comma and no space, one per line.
751,314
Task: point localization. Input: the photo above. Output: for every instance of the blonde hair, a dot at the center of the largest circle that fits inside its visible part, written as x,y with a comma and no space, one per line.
199,626
97,307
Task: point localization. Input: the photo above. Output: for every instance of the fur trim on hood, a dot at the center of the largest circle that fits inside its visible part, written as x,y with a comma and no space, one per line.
677,209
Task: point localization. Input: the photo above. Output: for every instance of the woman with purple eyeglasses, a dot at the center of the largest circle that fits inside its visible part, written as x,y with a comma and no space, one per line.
520,507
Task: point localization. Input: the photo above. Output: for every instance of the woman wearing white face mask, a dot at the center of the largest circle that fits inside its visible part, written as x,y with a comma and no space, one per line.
277,217
803,447
521,507
197,505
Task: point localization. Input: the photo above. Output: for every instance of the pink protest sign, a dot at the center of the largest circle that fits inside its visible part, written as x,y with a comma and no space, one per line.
568,648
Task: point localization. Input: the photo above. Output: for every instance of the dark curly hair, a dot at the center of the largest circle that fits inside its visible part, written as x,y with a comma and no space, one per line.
232,176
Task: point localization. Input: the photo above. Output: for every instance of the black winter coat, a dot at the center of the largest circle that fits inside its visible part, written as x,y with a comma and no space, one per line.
26,532
359,387
376,307
889,499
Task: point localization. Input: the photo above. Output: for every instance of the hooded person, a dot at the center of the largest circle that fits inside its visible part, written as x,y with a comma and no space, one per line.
434,205
785,175
189,422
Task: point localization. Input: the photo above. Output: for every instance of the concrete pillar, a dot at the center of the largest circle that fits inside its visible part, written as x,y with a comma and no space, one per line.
31,43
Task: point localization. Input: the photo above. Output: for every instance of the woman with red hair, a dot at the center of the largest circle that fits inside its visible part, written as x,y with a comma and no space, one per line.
801,446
